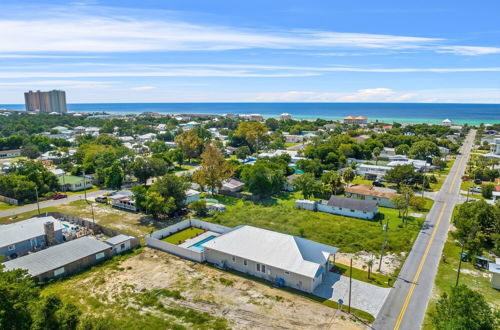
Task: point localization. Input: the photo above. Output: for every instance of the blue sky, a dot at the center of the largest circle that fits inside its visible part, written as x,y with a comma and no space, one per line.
252,51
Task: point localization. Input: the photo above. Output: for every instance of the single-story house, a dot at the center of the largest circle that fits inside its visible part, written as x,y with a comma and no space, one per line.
19,238
285,259
232,185
10,153
372,171
386,152
370,193
361,120
192,195
123,199
290,138
63,259
288,186
146,137
120,243
494,269
74,183
349,207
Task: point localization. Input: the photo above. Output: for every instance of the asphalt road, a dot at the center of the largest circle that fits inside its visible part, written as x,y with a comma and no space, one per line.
407,302
49,203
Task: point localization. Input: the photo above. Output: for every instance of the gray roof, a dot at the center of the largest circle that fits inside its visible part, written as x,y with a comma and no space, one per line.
352,203
57,256
24,230
118,239
287,252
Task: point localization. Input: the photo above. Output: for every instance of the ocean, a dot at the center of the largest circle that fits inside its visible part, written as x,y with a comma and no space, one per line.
472,114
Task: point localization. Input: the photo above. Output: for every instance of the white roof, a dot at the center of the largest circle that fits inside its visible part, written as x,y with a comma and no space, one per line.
494,268
192,192
24,230
287,252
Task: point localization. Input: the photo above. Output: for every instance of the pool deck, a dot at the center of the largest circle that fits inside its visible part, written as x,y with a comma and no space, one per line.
198,238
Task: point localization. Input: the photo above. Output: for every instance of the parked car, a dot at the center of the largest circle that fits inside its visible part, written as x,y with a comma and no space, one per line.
478,181
378,184
475,189
59,196
101,199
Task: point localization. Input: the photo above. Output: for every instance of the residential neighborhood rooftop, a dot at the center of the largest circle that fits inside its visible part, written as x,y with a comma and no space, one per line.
364,189
57,256
292,253
352,203
24,230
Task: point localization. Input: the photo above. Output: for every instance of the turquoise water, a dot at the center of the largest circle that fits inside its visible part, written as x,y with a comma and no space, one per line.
387,112
297,171
198,246
211,201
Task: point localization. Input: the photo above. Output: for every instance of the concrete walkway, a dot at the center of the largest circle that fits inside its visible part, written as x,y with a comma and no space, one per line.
364,296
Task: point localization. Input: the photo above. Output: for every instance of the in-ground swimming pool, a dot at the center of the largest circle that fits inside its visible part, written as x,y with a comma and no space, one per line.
198,247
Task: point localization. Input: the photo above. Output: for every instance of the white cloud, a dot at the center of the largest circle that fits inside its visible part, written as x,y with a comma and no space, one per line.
469,50
142,88
90,30
451,95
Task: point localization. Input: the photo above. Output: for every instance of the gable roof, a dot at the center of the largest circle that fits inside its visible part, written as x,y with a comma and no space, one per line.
57,256
24,230
352,203
287,252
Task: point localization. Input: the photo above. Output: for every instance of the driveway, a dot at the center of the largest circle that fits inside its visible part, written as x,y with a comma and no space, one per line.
364,296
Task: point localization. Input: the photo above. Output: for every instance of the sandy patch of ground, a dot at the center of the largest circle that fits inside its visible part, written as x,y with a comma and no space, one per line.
246,304
390,262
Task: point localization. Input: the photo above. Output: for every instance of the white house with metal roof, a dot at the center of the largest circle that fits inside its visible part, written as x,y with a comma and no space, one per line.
288,260
19,238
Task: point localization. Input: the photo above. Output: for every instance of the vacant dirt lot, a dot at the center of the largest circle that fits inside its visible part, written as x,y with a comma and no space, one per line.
245,304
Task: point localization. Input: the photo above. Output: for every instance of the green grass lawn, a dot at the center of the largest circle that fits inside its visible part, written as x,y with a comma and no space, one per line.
183,235
348,234
69,193
362,275
446,170
4,206
360,180
440,180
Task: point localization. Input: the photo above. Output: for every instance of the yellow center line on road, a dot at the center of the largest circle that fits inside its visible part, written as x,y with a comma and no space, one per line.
417,274
456,173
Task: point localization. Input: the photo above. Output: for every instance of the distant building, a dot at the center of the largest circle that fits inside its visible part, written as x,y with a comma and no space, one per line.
10,153
497,146
47,102
360,120
369,193
285,116
447,122
74,183
349,207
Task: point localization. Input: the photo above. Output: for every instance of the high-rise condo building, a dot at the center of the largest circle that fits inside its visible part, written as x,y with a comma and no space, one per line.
52,101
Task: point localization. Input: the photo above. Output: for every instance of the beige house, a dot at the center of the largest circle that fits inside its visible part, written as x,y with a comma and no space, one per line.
369,193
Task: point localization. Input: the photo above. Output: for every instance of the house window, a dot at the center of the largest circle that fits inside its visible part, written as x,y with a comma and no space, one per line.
122,246
300,284
340,208
263,269
287,273
258,267
352,211
364,212
244,262
234,259
12,247
99,256
59,271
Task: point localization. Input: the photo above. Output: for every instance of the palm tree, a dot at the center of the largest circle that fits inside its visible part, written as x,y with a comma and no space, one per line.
333,179
349,175
369,264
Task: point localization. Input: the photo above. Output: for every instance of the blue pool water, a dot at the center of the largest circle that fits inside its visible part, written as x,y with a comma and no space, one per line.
249,160
198,246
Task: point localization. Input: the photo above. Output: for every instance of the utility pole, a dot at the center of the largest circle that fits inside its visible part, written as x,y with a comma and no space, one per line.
37,203
423,184
383,246
350,286
459,263
93,217
84,185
